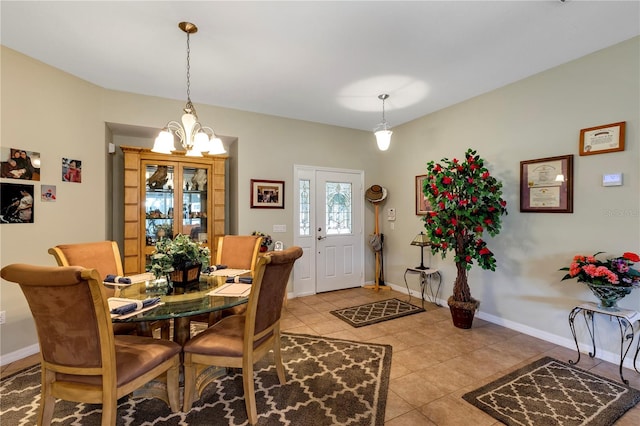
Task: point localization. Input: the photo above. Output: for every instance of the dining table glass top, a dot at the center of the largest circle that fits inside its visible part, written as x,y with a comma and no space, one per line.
195,300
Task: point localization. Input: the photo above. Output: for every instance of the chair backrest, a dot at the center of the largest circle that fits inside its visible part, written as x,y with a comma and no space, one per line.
264,307
238,251
103,256
72,318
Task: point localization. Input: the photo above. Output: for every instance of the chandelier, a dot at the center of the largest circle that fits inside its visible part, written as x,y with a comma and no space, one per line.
195,138
383,131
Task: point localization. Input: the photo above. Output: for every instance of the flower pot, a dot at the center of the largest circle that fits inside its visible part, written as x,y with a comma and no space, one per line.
609,295
186,276
462,313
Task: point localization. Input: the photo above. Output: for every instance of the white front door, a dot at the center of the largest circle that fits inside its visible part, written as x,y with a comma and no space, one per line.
329,217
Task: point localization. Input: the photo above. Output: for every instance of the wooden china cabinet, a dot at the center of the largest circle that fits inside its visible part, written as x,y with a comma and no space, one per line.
170,194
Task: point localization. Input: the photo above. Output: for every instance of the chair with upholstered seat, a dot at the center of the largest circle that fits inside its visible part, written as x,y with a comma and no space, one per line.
239,341
235,252
104,257
81,358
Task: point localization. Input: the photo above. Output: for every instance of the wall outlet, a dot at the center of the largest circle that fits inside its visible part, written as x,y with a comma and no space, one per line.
3,317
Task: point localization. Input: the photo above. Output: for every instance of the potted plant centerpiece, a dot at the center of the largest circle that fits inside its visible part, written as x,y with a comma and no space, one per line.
172,257
466,203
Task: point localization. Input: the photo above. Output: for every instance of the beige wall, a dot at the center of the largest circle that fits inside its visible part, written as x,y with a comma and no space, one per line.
534,118
537,117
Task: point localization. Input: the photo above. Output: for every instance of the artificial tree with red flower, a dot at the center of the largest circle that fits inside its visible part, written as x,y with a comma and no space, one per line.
467,203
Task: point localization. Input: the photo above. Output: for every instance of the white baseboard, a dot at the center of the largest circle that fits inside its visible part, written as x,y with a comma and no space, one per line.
19,354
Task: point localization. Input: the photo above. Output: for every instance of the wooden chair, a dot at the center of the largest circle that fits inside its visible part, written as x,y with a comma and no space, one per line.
81,359
235,252
104,257
239,341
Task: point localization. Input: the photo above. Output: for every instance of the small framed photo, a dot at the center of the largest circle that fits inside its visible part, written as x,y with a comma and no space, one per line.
16,203
546,185
267,194
422,204
71,170
602,139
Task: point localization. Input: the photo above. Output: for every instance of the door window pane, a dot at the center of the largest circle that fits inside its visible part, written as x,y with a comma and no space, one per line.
338,207
305,205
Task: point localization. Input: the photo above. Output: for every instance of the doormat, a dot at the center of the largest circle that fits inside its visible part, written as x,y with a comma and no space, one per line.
372,313
551,392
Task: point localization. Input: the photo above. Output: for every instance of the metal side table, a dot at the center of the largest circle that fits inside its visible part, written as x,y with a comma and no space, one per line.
626,320
428,279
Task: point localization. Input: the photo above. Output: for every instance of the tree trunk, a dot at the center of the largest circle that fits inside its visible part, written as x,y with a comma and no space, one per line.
461,291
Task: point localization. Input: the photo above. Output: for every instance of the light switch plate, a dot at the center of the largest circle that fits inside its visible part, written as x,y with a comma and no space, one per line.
279,228
612,179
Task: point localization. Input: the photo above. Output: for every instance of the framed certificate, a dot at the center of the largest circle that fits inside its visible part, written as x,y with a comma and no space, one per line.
546,185
602,139
422,204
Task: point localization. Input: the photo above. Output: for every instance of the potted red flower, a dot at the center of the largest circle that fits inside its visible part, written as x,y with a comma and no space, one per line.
466,204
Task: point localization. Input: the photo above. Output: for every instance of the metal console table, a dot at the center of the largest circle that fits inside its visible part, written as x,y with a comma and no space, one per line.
427,281
626,320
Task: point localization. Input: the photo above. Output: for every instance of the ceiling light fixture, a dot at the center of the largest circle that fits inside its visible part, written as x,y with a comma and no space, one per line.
194,137
383,131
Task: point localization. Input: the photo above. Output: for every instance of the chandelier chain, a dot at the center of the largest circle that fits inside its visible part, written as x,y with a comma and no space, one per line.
188,70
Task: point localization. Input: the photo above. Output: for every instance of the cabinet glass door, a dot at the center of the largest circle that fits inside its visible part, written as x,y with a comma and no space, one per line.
159,205
195,181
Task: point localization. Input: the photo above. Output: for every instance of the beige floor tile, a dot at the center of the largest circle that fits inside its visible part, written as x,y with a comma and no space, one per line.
451,411
415,390
412,418
396,406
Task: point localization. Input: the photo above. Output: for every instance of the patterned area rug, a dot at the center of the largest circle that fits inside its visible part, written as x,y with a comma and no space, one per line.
329,382
372,313
550,392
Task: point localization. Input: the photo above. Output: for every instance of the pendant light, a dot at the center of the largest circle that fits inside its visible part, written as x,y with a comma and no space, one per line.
194,137
383,131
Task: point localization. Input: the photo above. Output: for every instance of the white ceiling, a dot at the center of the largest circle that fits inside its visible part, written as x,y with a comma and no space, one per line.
319,61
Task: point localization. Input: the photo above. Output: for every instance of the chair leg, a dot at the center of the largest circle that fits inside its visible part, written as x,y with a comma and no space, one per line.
47,401
277,359
109,410
173,386
189,383
249,391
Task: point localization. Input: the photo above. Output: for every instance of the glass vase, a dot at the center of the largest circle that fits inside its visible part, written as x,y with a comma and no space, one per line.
609,295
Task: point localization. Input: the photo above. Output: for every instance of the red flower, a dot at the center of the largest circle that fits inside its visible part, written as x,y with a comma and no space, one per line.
433,214
464,202
446,180
474,199
470,180
478,228
441,205
488,221
437,168
483,251
491,208
474,167
503,203
454,222
485,175
438,231
631,257
467,259
444,245
455,161
449,196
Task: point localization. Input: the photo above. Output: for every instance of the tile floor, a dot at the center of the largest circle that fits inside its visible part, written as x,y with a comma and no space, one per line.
433,362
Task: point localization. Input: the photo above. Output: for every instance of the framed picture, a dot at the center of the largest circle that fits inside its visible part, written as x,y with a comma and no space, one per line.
267,194
422,204
602,139
71,170
16,203
546,185
18,163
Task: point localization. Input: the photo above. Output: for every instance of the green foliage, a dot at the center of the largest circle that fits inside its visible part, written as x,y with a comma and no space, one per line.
178,253
466,202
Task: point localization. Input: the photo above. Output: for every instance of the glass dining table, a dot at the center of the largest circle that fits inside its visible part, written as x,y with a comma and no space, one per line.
180,305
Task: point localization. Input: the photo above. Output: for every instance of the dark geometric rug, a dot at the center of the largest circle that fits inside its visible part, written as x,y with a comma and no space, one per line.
551,392
329,382
372,313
